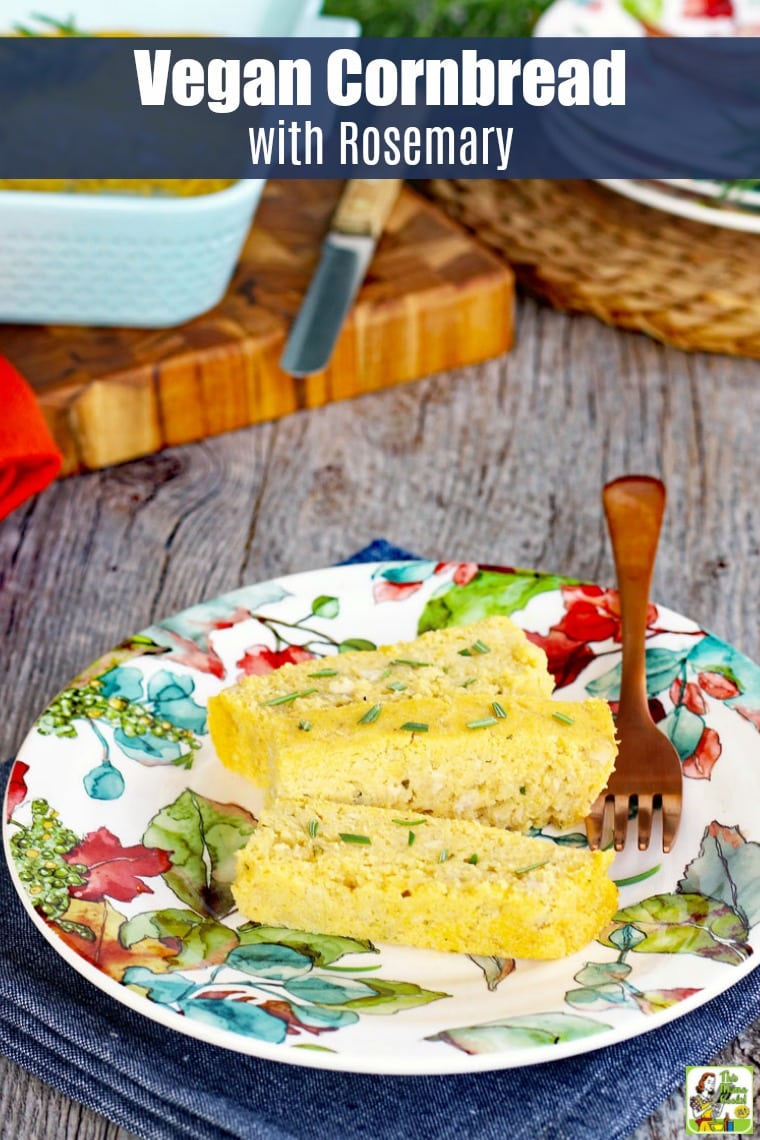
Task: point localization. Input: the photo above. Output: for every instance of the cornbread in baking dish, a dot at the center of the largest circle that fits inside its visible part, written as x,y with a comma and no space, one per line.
492,658
160,187
510,763
454,885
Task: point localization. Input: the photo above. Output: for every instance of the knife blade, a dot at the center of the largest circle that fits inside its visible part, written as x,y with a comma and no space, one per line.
347,251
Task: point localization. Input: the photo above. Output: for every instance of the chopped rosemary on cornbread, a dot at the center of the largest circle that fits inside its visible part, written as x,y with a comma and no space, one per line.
485,722
530,867
459,886
477,647
288,698
563,718
483,740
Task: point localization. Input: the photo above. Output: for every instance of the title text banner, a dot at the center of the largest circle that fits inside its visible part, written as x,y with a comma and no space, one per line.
471,108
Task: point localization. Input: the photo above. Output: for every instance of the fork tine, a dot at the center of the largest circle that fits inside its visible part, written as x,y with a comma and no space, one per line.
621,821
671,817
595,823
645,821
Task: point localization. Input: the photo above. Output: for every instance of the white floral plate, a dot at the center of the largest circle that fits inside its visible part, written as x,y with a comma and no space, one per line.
728,193
662,197
122,826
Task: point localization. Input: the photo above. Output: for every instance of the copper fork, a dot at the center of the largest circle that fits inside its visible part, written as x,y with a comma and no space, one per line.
648,768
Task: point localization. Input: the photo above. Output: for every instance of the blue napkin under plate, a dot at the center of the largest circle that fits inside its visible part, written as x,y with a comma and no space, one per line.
162,1085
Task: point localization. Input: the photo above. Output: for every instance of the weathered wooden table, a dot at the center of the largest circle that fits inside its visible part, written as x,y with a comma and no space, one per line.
501,463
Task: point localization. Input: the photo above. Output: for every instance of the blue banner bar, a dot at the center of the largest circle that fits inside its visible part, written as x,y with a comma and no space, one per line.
174,107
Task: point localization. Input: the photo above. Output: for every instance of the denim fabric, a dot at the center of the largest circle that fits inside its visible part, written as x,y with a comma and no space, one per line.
162,1085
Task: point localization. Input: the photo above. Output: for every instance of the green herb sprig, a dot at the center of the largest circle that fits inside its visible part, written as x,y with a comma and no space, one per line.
530,867
476,648
49,24
563,718
288,698
441,17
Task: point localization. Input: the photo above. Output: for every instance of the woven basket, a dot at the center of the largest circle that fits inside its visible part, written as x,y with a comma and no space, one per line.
585,249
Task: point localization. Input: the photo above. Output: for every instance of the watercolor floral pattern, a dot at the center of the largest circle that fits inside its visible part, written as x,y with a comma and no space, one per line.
122,831
263,982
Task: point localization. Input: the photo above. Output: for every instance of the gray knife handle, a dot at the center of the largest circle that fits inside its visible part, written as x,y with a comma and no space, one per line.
365,205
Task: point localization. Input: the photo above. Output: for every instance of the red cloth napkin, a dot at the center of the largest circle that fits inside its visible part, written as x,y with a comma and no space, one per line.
29,459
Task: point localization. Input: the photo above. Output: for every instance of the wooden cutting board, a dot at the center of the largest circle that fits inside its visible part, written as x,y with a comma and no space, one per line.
434,300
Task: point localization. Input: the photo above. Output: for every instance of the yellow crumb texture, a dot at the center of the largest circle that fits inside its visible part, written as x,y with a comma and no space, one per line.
459,886
490,744
492,658
456,758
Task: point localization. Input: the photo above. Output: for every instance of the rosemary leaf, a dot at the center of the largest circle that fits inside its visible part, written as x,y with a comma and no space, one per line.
530,867
563,718
288,697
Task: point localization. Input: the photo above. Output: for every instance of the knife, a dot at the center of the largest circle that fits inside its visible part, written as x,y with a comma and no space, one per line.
356,226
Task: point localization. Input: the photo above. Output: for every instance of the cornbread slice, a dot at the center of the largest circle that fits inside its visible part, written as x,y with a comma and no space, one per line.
492,657
509,763
338,869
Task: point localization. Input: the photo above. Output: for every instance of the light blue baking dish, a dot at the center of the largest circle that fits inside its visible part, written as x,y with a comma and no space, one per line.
146,262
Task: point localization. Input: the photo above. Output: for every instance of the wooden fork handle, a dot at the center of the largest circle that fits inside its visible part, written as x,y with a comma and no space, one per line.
634,506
